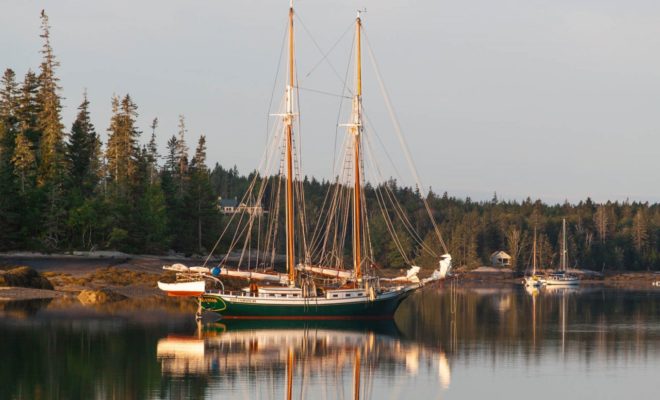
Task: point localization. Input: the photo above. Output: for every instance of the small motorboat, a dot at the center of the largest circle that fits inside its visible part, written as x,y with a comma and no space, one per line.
183,289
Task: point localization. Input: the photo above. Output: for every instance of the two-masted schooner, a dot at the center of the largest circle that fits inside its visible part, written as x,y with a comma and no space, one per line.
315,287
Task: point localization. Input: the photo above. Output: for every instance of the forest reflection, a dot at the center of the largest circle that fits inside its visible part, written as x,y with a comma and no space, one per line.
438,337
433,330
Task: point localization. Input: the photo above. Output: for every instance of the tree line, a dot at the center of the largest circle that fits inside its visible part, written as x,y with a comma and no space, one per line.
63,190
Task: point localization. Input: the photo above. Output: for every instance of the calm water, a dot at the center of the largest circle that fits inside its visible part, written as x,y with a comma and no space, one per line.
453,343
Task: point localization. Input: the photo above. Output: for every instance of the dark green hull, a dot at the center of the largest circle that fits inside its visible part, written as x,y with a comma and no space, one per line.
378,308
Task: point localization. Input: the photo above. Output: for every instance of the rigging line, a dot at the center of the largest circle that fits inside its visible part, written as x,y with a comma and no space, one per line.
266,156
382,204
301,191
277,73
371,128
397,128
395,203
331,220
220,238
331,193
318,47
341,102
406,221
325,56
323,92
390,226
388,221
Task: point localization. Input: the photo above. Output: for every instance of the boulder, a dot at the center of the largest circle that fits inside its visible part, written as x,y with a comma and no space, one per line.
101,296
24,277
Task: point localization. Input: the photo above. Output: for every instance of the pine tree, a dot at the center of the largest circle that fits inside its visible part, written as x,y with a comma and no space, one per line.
152,153
640,233
602,222
171,159
49,120
122,147
198,162
29,108
8,111
201,193
13,206
83,151
515,239
182,156
147,227
9,99
23,160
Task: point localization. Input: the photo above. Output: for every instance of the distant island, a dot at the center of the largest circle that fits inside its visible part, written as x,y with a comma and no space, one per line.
64,190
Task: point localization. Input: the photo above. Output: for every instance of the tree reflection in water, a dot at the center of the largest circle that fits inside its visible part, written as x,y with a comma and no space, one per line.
445,341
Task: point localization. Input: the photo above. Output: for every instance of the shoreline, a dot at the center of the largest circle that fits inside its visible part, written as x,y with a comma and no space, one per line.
135,276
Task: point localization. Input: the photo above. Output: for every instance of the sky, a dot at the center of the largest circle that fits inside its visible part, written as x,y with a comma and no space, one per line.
555,99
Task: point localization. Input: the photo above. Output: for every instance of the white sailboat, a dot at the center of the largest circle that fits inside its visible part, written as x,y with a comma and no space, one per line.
562,277
533,280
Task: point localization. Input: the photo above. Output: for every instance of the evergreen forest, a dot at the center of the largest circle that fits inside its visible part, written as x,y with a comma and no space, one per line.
62,189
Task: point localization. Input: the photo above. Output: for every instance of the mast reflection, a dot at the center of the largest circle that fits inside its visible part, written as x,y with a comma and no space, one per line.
294,353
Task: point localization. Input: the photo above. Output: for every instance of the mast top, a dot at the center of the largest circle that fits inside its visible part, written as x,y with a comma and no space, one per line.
359,12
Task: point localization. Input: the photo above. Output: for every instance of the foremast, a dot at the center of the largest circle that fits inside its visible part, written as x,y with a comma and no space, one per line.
288,131
355,128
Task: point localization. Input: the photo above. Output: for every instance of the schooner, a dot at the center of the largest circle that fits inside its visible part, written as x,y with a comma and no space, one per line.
317,286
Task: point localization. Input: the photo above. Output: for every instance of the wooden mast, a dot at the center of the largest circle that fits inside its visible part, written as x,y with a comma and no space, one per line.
356,128
563,245
356,375
288,126
289,375
534,254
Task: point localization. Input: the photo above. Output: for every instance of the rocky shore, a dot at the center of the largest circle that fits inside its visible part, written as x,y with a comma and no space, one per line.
109,277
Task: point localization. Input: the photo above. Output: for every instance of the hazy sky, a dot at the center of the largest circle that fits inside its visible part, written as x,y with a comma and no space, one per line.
555,99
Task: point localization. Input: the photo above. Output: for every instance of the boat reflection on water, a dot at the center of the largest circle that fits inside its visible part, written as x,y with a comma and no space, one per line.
299,356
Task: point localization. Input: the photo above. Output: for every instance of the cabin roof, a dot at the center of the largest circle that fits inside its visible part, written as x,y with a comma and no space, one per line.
227,202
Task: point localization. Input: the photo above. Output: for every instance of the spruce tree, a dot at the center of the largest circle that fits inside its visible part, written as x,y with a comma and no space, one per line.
122,147
8,111
10,202
152,153
204,213
171,158
52,161
29,109
9,99
19,207
182,156
150,228
23,160
82,152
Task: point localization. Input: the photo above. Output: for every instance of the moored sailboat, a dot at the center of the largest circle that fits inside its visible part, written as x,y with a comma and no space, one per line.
561,277
311,290
533,280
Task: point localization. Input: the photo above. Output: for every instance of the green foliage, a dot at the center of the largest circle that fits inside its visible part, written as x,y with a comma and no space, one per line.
62,195
118,239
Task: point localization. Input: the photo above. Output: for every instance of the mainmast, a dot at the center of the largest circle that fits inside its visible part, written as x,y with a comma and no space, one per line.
563,245
534,254
288,127
356,130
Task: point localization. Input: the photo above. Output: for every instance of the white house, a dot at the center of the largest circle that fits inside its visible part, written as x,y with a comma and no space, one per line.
227,206
500,259
232,206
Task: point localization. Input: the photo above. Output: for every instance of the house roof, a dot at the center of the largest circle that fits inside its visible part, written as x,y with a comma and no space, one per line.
227,202
500,254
